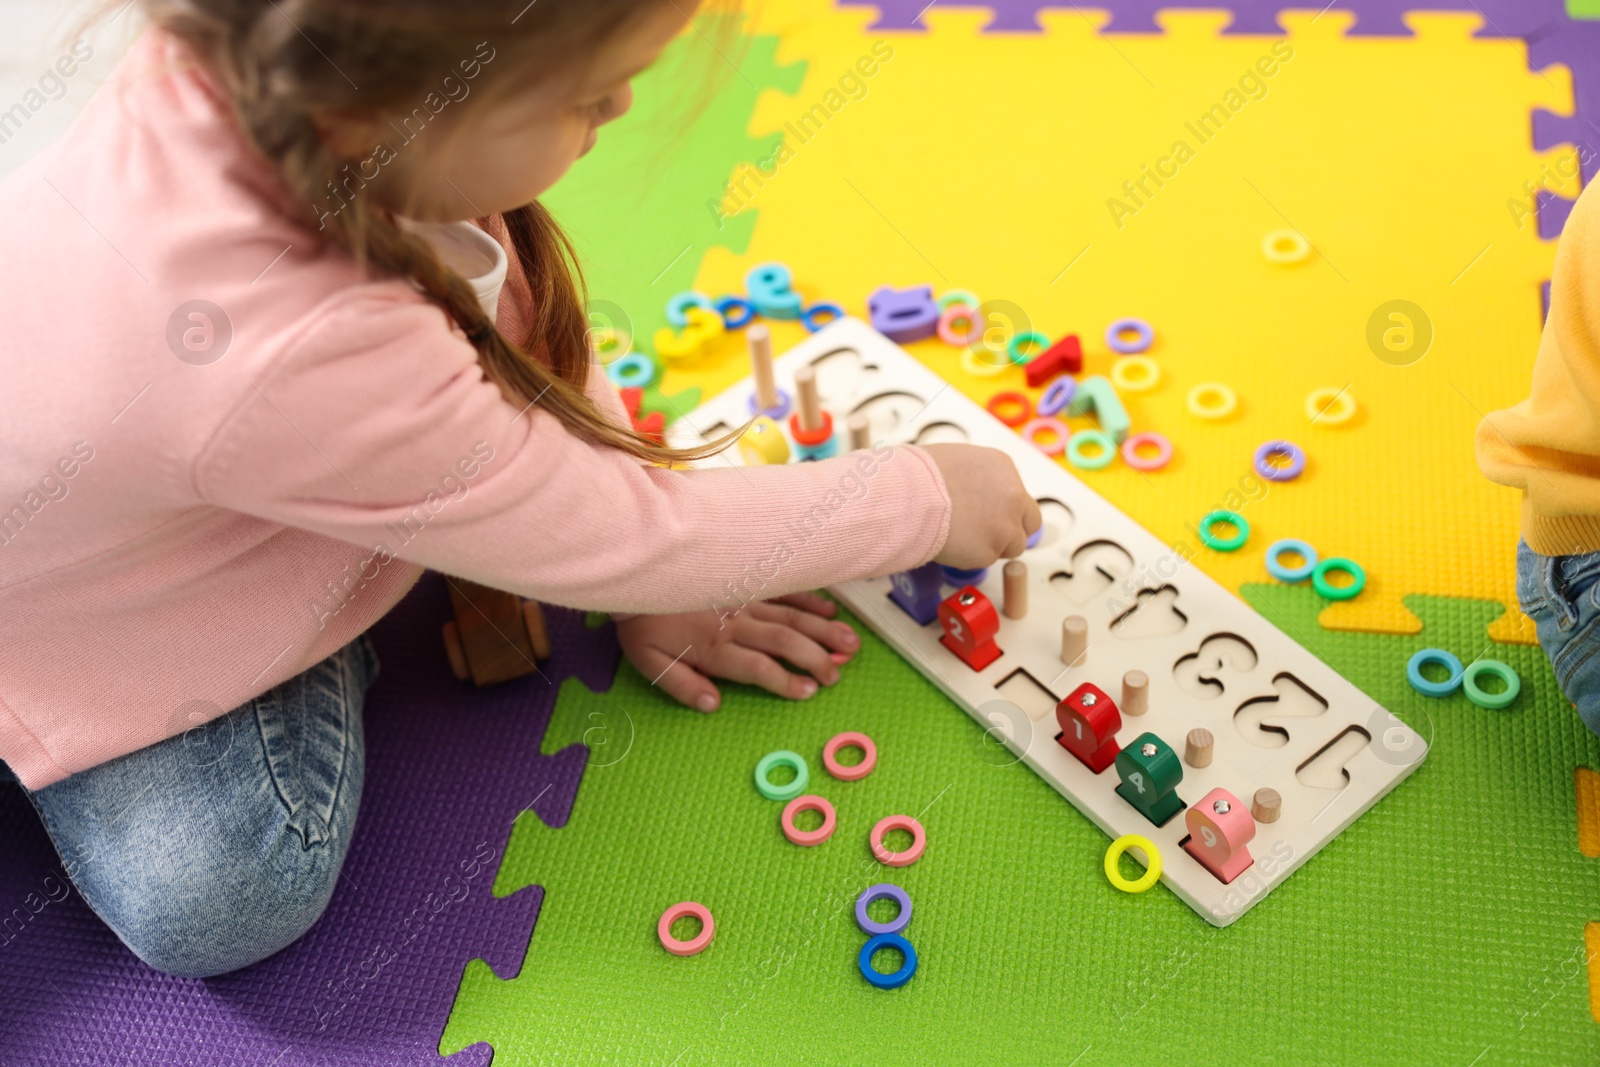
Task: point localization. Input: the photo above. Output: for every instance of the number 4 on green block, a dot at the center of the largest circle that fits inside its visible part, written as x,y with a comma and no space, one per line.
1150,772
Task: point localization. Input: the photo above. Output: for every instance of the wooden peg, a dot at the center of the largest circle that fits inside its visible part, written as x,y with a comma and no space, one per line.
1266,805
1135,693
1197,747
860,431
1074,639
1015,603
809,401
760,341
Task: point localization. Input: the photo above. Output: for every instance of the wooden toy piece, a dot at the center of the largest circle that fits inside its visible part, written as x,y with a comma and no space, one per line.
694,340
860,431
760,342
1074,639
904,315
763,443
1097,396
1015,604
1266,805
1135,693
1197,747
970,623
1220,827
495,636
918,592
1063,357
1089,724
810,426
1150,773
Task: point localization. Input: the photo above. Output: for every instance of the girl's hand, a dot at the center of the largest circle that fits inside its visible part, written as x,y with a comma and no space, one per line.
682,653
991,513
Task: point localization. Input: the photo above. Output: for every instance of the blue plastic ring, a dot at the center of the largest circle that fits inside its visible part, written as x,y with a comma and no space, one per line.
735,303
1291,574
1035,537
1057,395
1146,336
1444,659
883,891
776,414
681,302
633,369
958,577
808,316
898,978
1291,451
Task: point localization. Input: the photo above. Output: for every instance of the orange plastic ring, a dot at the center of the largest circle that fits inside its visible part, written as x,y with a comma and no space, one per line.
1011,408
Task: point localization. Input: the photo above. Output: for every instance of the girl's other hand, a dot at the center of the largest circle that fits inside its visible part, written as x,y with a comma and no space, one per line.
991,514
682,653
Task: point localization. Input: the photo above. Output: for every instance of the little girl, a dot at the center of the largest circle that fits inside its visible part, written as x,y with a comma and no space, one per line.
287,325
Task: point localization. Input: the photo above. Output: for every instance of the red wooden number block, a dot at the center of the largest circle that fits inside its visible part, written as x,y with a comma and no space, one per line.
1089,724
970,623
1220,826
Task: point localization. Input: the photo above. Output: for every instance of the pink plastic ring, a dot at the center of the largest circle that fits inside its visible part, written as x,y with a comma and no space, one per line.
1030,433
947,325
869,756
685,948
808,838
919,841
1130,452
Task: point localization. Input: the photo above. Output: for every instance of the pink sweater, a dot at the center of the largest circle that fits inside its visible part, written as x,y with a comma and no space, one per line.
177,536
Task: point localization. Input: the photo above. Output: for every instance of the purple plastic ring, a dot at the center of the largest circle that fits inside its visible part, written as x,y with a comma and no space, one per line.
1272,473
776,414
883,891
1057,395
1143,337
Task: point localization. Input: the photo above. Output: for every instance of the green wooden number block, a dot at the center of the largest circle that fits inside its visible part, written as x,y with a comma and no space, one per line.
1150,773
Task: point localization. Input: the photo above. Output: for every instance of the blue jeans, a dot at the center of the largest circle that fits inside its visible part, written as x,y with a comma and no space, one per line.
1562,595
214,849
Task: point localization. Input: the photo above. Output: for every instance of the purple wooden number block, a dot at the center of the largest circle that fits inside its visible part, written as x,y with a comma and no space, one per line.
918,592
904,315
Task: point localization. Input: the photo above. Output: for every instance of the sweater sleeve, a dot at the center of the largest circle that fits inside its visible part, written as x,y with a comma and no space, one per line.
379,428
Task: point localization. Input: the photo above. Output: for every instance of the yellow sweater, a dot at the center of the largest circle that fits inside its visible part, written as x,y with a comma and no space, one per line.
1549,445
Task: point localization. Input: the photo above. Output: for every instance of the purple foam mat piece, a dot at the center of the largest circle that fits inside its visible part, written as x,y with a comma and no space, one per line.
449,767
1552,211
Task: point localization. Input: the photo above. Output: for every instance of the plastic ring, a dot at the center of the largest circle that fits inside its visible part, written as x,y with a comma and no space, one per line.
679,303
729,304
1273,473
1224,544
1143,338
1286,246
1325,588
808,317
855,772
1136,374
1063,433
1012,409
633,369
1152,873
898,978
1291,574
609,343
1331,407
1078,444
883,891
1014,350
808,838
980,367
947,325
1130,451
789,790
958,576
777,414
1443,659
1212,400
708,928
1492,701
1057,395
919,841
1035,537
958,296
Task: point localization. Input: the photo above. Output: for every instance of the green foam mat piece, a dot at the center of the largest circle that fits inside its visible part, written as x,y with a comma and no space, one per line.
1445,922
1583,9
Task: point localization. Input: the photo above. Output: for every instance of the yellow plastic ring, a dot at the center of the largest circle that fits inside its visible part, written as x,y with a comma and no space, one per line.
763,444
609,344
1152,873
1212,400
1135,374
1330,407
982,367
1286,246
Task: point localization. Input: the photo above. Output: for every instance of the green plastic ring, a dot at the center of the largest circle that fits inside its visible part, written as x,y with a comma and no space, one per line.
1492,701
1022,340
958,296
1325,588
1076,443
789,790
1224,544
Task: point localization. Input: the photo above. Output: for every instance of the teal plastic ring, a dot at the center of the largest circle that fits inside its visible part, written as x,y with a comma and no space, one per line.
1022,340
1083,438
1325,588
1492,701
1429,688
789,790
633,369
1291,574
964,297
1224,544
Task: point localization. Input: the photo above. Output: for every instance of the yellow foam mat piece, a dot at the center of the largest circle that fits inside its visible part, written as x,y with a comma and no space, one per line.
990,162
1588,791
1591,949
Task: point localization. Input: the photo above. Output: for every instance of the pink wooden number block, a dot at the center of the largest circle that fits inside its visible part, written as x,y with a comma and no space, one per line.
1220,826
